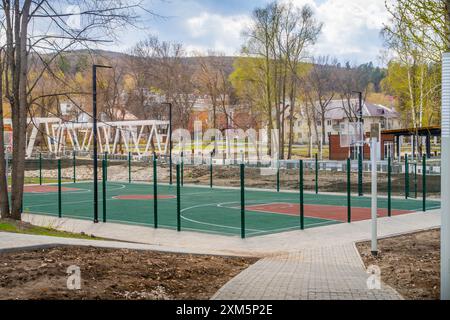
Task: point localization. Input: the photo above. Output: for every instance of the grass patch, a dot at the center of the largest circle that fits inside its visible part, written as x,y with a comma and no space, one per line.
13,226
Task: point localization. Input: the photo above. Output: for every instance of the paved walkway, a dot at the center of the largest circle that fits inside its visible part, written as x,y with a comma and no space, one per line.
327,273
318,263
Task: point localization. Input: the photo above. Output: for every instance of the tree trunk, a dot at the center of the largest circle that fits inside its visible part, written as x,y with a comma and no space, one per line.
291,122
447,24
323,128
4,201
20,112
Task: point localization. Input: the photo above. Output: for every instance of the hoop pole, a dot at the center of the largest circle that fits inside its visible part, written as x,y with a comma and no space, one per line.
389,187
278,175
424,183
349,208
59,190
155,191
74,168
406,177
129,167
242,201
210,172
317,174
104,188
178,200
302,207
360,176
40,169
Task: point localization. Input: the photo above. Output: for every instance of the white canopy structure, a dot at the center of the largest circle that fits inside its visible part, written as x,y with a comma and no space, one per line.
135,136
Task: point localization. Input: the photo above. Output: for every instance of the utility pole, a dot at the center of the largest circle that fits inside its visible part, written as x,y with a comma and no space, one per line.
361,143
94,128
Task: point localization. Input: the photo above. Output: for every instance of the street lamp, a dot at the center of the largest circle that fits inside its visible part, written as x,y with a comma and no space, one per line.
170,140
94,116
361,144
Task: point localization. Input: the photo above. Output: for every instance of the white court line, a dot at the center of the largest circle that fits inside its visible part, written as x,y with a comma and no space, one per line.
79,191
73,202
280,213
206,223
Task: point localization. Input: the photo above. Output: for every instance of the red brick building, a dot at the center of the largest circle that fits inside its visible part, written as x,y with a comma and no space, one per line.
342,153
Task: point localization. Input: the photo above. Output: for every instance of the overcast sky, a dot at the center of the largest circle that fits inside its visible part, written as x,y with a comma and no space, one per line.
351,29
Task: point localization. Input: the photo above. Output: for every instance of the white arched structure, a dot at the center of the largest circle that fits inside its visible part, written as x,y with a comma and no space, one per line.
136,136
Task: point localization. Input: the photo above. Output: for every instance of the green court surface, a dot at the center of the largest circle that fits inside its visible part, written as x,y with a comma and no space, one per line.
215,210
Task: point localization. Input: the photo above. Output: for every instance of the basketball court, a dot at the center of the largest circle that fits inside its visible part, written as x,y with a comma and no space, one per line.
211,210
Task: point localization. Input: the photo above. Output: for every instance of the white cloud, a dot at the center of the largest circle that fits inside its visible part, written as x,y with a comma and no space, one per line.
350,31
223,33
350,28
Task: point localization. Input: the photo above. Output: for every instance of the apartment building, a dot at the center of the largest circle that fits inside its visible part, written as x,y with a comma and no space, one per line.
337,120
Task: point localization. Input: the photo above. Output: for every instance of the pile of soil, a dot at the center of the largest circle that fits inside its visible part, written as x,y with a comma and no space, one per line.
409,263
115,274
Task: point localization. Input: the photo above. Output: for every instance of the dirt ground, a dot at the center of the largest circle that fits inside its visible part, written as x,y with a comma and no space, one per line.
410,263
115,274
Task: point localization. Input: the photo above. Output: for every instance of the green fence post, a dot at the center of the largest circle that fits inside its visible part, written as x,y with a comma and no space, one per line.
104,188
278,175
424,183
406,177
178,200
242,201
360,175
74,168
317,174
302,207
40,169
349,208
210,172
106,166
155,191
415,180
59,190
389,187
182,169
129,167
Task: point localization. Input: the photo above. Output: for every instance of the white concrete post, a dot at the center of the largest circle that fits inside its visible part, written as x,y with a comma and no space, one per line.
374,206
445,179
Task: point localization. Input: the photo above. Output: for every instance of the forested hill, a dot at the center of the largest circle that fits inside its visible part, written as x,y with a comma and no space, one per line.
79,60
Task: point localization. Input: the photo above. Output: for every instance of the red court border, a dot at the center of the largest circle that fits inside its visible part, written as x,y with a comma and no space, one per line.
142,197
328,212
46,189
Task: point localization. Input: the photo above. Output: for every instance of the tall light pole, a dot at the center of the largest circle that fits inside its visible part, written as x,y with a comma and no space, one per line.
445,179
94,117
170,140
361,146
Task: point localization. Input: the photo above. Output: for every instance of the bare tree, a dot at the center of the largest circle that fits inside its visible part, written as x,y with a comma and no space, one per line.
212,77
299,31
41,29
321,82
4,201
348,80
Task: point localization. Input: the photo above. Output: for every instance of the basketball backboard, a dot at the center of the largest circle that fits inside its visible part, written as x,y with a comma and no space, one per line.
351,134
